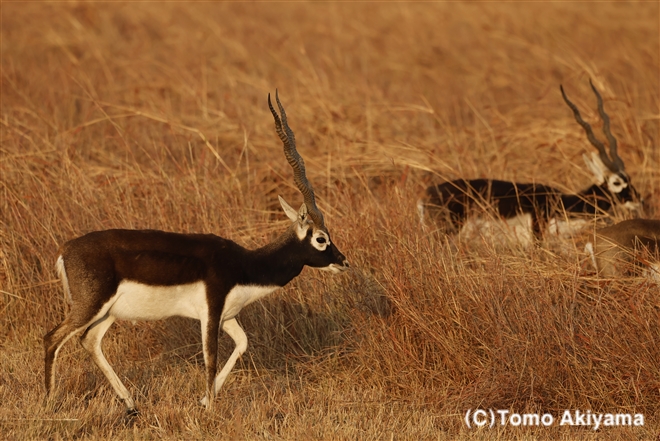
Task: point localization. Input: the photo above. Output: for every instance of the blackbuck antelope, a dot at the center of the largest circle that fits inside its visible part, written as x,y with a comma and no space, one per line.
449,204
626,247
151,275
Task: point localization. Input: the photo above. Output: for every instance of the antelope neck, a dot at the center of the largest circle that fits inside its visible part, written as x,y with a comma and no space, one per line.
276,263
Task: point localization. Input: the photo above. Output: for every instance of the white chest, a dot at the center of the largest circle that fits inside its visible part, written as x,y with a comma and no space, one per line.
241,296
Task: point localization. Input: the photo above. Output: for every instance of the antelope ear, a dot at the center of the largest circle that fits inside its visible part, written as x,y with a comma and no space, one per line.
302,212
597,167
288,210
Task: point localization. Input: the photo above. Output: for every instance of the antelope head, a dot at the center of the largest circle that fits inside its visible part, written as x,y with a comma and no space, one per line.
308,222
609,170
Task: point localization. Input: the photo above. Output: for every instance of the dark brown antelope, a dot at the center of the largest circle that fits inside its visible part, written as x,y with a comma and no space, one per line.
151,275
450,203
624,248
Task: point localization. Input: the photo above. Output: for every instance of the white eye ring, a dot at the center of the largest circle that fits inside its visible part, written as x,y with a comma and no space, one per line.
320,240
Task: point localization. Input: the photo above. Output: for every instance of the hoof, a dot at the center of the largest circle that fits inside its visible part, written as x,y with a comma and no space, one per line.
132,412
205,402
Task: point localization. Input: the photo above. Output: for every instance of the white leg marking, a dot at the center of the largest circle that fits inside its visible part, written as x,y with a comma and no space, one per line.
92,342
237,334
234,330
420,212
653,272
204,321
57,351
61,271
237,299
589,249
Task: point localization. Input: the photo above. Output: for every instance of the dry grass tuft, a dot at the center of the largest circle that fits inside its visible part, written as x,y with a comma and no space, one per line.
140,115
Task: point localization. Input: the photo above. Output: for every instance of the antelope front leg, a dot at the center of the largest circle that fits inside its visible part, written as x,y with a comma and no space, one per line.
91,341
234,330
237,334
210,347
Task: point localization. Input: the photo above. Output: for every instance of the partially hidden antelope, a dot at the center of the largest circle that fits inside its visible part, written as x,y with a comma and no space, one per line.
151,275
626,248
450,203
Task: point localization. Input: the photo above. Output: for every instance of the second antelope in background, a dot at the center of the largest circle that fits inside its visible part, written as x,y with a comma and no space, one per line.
624,248
151,275
450,203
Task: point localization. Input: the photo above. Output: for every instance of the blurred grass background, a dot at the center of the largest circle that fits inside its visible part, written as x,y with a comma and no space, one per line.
154,115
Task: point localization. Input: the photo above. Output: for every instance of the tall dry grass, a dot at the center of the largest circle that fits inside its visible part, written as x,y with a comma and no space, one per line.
142,115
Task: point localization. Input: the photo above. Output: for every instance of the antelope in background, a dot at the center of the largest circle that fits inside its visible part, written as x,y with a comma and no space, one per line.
451,203
151,275
621,249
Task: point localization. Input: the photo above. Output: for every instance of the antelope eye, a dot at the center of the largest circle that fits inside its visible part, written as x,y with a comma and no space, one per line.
320,239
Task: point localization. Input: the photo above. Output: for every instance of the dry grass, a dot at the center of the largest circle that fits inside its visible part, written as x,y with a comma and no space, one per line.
144,115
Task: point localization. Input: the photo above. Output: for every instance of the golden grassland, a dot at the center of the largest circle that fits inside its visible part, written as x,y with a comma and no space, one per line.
154,115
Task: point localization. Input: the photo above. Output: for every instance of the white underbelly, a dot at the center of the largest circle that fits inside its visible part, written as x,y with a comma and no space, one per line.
516,229
137,301
566,227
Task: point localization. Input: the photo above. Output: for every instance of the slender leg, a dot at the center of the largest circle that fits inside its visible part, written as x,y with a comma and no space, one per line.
210,327
589,249
91,341
234,330
237,334
53,342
